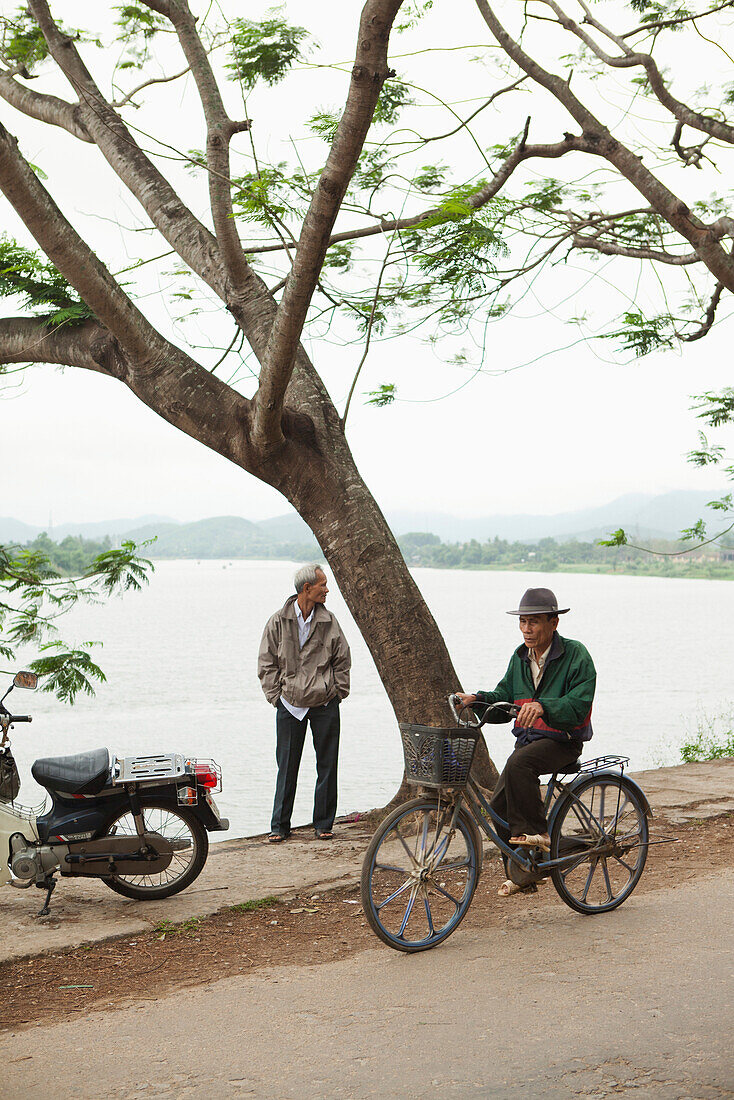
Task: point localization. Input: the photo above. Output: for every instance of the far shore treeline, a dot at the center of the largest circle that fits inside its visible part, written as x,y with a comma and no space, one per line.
73,554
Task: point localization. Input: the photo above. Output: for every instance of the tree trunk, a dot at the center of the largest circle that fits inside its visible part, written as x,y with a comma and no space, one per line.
325,487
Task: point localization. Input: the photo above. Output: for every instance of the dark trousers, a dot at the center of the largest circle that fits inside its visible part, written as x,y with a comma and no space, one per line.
291,734
516,797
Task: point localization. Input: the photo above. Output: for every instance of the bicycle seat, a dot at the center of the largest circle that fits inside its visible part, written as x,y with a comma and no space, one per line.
82,773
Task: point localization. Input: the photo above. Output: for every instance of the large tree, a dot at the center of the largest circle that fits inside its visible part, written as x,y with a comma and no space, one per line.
443,248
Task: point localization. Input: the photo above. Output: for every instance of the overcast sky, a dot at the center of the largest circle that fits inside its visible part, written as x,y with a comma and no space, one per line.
540,429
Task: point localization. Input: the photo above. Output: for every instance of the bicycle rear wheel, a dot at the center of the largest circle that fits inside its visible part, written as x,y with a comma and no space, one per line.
418,877
604,826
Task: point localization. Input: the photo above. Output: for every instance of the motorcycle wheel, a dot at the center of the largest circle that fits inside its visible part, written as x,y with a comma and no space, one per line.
190,842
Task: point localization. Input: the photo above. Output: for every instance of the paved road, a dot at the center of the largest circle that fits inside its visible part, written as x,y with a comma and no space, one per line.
639,1003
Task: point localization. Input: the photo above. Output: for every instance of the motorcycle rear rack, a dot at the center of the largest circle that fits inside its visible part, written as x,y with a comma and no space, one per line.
151,769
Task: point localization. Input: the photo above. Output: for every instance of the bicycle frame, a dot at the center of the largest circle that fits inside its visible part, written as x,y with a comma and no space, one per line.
483,814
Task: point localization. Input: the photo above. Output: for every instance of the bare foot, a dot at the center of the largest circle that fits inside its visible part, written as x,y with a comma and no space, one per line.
532,840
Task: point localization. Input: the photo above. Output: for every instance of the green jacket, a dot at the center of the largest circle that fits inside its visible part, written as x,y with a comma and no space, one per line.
566,691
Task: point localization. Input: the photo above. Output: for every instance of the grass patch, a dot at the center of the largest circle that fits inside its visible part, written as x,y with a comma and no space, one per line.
707,746
187,927
255,903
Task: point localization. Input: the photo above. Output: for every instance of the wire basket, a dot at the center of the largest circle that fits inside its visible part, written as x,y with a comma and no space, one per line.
436,757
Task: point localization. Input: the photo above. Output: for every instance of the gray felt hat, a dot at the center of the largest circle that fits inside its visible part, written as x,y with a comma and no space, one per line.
539,601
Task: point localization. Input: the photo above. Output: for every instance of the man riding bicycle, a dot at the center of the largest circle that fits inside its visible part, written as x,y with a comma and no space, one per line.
552,679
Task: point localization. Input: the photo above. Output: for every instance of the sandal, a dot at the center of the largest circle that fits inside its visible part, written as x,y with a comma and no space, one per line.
531,840
324,834
508,888
276,838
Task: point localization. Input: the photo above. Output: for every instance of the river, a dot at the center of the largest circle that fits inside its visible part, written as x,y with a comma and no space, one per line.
180,659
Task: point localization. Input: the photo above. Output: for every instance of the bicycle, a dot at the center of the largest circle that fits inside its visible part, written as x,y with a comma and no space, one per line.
423,864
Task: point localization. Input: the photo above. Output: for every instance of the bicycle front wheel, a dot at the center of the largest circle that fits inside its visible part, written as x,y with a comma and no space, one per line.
419,876
602,828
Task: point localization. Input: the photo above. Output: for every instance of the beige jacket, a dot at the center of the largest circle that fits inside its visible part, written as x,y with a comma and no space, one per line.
308,677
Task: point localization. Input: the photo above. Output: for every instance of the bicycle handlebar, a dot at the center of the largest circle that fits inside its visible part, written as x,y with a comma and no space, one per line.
10,718
505,710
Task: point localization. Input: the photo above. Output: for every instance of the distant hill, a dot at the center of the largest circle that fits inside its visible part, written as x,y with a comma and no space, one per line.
643,516
222,537
12,530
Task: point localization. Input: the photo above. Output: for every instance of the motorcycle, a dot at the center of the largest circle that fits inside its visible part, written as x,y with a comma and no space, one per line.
138,823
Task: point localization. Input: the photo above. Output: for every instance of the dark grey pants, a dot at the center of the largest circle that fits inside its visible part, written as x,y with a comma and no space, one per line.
516,797
291,735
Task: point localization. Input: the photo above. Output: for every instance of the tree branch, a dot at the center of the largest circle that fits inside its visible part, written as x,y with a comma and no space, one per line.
73,257
708,320
465,122
30,340
676,20
611,248
220,130
572,143
44,108
664,201
632,59
147,84
173,219
368,75
187,396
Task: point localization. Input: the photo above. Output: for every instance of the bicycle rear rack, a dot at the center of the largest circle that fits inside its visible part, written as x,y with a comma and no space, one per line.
599,763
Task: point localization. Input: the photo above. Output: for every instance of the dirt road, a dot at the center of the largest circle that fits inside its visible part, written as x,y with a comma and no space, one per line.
525,1000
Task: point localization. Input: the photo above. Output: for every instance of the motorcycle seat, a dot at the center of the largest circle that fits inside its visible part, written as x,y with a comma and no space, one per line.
82,773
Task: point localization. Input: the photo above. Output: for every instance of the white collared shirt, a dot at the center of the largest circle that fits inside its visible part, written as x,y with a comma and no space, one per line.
537,664
304,629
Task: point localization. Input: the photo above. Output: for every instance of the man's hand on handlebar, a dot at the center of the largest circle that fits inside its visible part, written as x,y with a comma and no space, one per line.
464,700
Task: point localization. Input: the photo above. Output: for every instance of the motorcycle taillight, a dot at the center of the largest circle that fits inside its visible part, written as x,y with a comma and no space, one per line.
206,776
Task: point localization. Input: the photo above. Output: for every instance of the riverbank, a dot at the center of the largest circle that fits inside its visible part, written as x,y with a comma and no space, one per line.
240,873
676,569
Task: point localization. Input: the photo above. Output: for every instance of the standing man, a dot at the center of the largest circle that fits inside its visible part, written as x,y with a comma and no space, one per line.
303,666
552,680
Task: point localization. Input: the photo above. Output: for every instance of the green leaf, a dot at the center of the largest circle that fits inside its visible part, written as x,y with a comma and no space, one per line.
716,409
430,177
643,335
41,287
382,396
707,455
265,50
698,531
22,42
67,672
339,256
617,538
394,96
324,124
267,196
33,595
412,13
137,26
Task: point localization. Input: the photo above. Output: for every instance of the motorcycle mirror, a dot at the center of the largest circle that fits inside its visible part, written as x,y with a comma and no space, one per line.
25,680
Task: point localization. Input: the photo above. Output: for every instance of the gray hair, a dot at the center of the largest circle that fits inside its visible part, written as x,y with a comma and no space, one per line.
307,574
